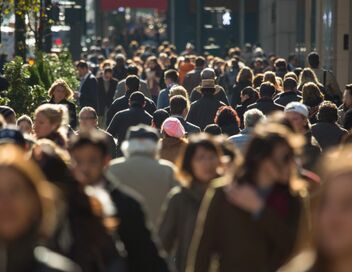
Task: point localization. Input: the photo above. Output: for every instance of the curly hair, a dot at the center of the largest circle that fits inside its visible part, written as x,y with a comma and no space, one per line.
62,83
226,115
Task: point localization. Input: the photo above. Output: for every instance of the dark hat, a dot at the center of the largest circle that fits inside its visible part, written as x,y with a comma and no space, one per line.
137,98
11,135
142,132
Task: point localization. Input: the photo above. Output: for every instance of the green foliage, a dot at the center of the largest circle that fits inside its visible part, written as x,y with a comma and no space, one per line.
29,83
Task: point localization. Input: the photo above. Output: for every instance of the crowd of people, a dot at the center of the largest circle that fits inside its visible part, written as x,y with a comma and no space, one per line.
177,162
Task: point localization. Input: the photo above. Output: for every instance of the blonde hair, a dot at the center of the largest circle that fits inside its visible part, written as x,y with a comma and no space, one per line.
179,90
50,202
245,74
307,75
62,83
291,75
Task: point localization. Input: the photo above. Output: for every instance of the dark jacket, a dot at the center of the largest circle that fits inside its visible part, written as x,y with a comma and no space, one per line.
230,130
241,241
219,94
189,127
203,111
235,93
311,152
71,107
178,221
241,109
127,118
328,134
284,98
105,99
142,251
120,73
266,105
192,79
121,104
89,93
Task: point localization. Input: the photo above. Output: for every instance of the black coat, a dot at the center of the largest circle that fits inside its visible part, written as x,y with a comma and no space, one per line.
105,99
121,104
266,105
71,107
189,127
235,93
203,111
287,97
143,254
220,94
328,134
127,118
89,93
241,109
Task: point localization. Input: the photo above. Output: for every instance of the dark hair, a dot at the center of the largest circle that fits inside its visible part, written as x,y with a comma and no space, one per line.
348,87
226,116
327,112
132,70
311,95
258,80
251,93
280,64
186,157
93,138
159,116
178,104
107,70
290,84
200,62
313,59
213,129
347,120
132,83
137,99
7,112
267,89
82,64
172,75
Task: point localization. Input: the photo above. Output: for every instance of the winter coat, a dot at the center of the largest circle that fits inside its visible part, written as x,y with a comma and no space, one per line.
266,105
121,88
287,97
328,134
105,99
189,127
220,94
192,79
235,93
184,69
89,93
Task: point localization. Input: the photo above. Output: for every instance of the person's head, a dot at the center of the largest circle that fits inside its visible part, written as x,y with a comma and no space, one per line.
249,95
179,105
245,75
252,117
82,68
60,90
28,204
267,90
226,116
290,85
332,214
311,95
347,96
137,99
48,119
25,124
132,70
213,129
200,160
179,90
141,140
258,80
159,116
88,118
120,60
291,75
171,76
270,76
280,65
90,156
313,60
327,112
173,128
208,74
132,83
200,62
306,76
108,73
269,157
297,114
9,114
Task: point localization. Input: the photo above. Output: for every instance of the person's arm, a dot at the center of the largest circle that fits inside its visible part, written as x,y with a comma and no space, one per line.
113,126
160,103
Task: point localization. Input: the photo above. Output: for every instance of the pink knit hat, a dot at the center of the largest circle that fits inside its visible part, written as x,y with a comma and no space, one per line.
173,127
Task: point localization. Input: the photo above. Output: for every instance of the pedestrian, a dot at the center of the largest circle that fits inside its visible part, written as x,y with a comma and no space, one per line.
185,67
326,131
227,119
203,111
308,76
171,80
244,79
241,217
198,166
312,97
25,124
159,116
346,103
249,96
290,93
173,139
50,122
193,79
87,94
120,71
280,68
153,73
61,93
133,116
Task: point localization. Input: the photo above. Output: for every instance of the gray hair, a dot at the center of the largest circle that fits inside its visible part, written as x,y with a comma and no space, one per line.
139,146
252,117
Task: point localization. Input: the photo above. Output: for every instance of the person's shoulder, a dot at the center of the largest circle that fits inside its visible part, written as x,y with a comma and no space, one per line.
107,134
124,195
166,164
51,261
252,106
